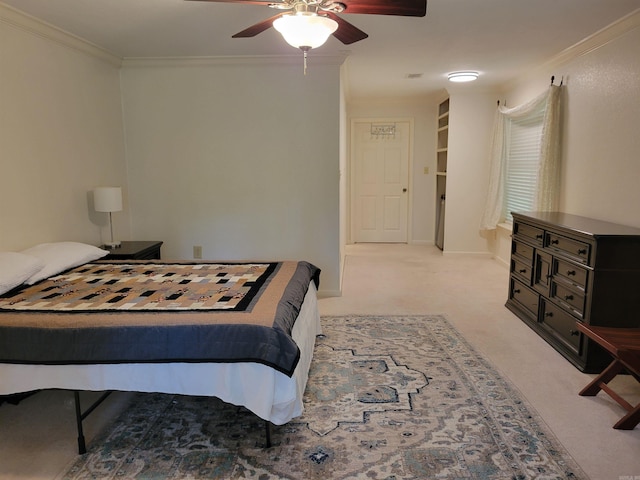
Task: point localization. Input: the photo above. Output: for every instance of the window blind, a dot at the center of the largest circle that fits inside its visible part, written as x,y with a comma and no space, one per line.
524,137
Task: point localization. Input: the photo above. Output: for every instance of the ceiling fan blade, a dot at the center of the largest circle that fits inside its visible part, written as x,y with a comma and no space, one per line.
259,27
405,8
346,32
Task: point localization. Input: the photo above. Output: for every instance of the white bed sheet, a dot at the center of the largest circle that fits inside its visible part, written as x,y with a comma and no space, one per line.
270,394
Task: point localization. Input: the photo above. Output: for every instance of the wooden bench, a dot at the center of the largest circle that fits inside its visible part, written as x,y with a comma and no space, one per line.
624,345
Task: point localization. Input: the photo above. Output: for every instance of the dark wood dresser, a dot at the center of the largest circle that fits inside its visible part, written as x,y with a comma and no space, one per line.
566,268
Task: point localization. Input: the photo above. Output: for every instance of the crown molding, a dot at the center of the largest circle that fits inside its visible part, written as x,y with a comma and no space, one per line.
35,26
17,19
150,62
591,43
598,39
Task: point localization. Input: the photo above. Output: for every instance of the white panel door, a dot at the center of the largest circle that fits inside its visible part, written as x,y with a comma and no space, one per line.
381,176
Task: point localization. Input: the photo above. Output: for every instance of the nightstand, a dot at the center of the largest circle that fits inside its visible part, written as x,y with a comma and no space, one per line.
149,250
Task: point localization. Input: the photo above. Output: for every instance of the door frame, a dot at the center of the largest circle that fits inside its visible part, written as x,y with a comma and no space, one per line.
352,172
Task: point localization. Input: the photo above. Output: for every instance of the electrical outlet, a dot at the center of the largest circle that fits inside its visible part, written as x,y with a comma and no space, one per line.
197,251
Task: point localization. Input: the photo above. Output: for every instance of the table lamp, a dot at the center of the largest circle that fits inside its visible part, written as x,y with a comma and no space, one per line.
108,199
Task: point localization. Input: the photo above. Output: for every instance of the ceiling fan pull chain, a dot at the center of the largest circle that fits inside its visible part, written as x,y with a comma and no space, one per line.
304,51
305,62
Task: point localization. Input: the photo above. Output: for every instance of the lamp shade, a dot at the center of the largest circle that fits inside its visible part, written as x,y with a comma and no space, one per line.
305,30
107,199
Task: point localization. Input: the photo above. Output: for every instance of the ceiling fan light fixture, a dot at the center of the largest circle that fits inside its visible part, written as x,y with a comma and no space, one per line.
466,76
305,30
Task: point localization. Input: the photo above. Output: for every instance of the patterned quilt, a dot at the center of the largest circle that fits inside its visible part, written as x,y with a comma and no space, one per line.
132,312
146,287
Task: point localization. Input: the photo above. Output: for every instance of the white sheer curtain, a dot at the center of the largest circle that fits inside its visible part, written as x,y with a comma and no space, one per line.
548,181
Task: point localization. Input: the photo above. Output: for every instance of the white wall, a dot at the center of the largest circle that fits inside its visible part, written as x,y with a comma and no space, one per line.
601,137
344,189
470,125
241,159
424,113
209,144
60,135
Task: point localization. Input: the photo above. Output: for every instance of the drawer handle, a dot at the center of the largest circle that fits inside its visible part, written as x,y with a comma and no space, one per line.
574,333
548,314
539,236
517,290
568,297
582,251
571,272
523,270
555,242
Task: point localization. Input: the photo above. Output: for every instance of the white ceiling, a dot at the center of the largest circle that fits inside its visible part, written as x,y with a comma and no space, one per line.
498,38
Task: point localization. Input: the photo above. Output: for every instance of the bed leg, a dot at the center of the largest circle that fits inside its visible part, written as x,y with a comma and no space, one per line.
82,447
267,425
80,416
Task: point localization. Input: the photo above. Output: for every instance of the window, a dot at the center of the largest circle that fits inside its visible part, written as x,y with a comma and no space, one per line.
524,137
525,159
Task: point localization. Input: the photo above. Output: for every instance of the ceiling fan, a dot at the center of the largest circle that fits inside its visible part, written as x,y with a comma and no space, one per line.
307,24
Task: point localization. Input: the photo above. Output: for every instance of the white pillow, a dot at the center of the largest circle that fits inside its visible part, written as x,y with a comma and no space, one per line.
60,256
15,268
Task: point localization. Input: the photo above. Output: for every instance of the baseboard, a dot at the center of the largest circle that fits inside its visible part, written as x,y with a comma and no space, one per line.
468,254
329,293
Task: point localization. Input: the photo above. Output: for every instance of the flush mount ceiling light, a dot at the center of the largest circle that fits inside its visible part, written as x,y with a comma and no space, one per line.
460,77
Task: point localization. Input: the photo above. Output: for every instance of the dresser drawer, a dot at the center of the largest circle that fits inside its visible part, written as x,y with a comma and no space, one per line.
561,325
523,270
572,299
575,249
522,250
534,234
524,296
571,273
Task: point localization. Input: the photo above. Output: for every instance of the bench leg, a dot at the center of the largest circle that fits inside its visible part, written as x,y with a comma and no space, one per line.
601,380
630,420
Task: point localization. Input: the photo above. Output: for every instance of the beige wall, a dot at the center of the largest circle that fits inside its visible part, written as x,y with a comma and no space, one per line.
601,141
60,135
242,159
214,152
470,125
422,190
467,177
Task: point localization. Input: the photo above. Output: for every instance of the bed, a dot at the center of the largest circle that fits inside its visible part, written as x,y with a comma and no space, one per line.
243,332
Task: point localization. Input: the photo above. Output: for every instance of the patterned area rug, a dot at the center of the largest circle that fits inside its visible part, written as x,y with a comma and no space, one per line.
402,397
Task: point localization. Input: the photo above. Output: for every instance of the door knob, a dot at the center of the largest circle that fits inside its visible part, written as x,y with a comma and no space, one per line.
404,189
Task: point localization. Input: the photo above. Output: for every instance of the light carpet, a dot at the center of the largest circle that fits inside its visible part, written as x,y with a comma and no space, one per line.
389,397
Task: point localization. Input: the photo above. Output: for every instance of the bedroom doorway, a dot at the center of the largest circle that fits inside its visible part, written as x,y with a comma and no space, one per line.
380,154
